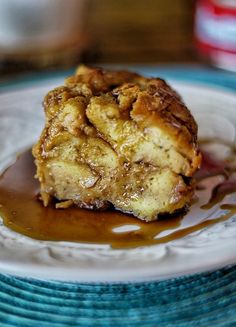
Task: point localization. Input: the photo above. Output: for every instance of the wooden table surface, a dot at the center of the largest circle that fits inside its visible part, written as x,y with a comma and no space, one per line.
147,31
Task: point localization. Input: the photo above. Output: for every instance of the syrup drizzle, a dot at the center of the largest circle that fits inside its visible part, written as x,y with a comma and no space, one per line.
22,212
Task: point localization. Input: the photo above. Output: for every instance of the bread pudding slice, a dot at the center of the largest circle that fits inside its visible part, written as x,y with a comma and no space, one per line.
117,138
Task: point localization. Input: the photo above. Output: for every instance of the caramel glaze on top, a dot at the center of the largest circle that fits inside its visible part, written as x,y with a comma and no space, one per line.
146,101
23,213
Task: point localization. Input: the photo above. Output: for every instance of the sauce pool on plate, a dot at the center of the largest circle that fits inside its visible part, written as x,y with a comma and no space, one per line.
24,213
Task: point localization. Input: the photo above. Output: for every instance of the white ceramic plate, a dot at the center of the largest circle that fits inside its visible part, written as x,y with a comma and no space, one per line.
21,120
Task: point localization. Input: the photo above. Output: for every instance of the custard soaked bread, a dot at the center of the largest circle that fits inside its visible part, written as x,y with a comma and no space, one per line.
117,138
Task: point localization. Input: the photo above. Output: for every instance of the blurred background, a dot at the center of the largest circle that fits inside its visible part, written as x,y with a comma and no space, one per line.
142,31
58,34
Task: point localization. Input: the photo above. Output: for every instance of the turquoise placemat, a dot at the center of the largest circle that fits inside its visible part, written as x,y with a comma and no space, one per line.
207,299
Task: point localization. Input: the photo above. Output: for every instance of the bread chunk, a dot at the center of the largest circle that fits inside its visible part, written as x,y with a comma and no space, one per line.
117,138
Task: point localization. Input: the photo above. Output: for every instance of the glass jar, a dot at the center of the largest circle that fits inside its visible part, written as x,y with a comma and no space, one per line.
215,32
41,33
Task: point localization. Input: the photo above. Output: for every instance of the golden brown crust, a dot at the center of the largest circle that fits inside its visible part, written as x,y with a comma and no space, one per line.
121,128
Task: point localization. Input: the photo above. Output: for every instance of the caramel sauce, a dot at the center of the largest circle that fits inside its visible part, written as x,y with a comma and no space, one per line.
219,192
23,213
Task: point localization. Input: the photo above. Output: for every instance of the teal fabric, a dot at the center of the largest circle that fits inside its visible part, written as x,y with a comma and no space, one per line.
207,299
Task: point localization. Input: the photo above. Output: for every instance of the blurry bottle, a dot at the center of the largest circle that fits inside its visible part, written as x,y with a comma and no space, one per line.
215,32
41,33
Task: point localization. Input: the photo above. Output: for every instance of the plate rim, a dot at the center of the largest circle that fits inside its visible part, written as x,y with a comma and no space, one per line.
51,272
